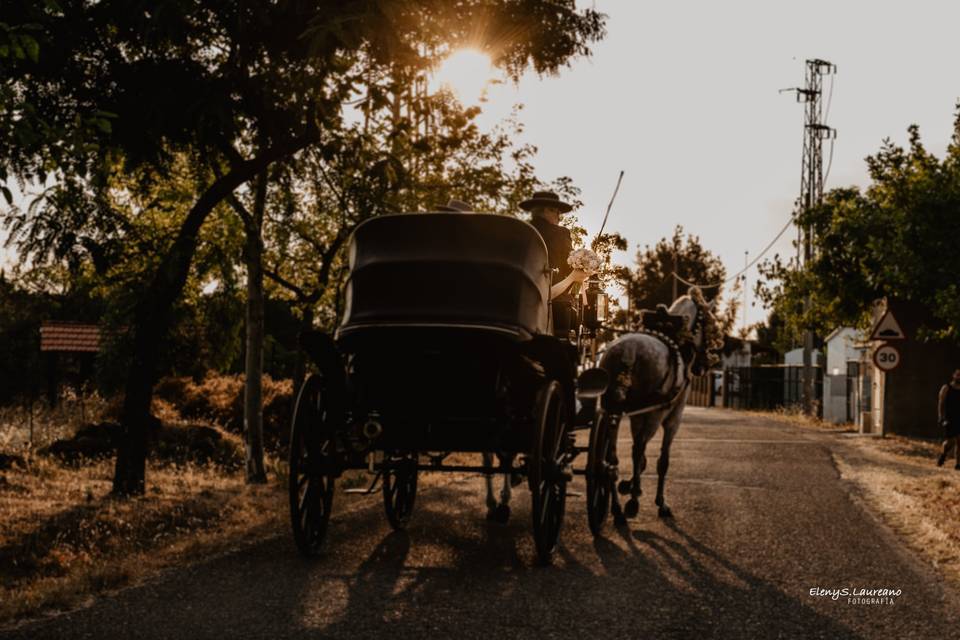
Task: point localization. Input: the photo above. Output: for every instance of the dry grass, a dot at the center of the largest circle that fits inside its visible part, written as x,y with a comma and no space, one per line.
923,508
795,417
64,539
39,425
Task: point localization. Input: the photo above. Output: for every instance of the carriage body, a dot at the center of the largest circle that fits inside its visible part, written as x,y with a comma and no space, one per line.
445,346
441,311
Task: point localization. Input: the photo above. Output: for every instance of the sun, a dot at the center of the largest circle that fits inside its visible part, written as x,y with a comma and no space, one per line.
466,73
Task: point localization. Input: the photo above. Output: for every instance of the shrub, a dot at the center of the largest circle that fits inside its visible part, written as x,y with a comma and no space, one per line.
219,399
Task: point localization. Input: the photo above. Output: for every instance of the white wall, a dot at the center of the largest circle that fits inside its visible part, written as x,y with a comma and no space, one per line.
840,350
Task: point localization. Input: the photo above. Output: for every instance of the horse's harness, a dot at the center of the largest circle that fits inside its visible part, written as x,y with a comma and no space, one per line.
682,347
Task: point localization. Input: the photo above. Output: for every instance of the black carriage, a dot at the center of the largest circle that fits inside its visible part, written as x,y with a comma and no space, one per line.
445,346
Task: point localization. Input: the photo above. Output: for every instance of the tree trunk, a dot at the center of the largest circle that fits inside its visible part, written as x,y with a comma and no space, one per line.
153,314
253,385
300,365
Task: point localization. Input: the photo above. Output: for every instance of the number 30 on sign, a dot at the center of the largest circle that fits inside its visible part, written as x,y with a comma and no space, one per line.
886,357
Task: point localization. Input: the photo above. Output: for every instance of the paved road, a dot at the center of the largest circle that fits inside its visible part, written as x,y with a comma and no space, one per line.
761,517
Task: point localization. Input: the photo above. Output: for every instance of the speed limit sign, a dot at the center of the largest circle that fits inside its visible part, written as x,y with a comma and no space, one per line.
886,357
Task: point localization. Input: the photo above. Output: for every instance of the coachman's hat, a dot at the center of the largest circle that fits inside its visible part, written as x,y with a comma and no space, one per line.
455,206
545,199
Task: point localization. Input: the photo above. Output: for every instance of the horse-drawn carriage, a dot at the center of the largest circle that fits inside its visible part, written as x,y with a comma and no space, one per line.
445,346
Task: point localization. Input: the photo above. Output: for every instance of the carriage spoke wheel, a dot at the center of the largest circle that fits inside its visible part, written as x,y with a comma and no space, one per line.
312,465
399,488
548,486
599,478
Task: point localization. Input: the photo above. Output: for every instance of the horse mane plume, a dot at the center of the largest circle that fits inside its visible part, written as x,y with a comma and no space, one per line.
712,333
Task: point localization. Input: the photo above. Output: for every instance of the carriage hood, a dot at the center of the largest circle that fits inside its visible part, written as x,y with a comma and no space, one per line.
447,269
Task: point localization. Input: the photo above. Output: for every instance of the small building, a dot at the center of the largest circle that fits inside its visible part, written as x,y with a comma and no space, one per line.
795,357
61,341
840,396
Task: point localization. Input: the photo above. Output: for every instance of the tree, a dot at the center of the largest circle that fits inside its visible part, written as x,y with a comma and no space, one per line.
115,87
652,282
896,238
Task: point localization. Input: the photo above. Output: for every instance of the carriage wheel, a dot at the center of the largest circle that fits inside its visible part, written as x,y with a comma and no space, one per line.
548,484
311,469
599,480
399,488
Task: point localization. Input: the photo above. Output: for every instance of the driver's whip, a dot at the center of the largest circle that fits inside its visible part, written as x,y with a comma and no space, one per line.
609,206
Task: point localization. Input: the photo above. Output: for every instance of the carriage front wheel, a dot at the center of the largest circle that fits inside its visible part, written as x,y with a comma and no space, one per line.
546,472
399,488
312,468
600,473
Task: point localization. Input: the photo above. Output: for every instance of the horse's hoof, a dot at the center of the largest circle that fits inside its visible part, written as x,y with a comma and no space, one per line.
515,479
502,513
623,487
620,520
632,508
664,512
491,514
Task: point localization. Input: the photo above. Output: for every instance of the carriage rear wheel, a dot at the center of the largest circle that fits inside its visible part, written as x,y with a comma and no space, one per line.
399,488
312,468
546,472
599,477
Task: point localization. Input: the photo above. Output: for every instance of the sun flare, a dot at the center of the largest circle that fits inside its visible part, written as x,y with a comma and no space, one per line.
466,73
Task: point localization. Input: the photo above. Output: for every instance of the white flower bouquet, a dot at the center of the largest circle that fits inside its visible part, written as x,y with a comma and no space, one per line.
584,260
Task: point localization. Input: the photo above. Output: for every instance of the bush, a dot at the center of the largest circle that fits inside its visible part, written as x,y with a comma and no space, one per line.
219,399
170,443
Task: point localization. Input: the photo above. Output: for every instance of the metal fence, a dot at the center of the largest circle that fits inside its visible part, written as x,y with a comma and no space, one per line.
704,390
768,387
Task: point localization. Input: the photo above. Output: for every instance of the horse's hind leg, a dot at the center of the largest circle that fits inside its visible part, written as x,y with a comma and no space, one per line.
642,428
502,511
615,510
670,427
488,479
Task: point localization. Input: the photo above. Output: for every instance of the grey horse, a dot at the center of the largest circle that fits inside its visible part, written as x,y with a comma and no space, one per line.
650,375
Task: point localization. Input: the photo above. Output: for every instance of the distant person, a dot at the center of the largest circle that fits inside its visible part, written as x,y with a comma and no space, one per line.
948,412
546,208
455,206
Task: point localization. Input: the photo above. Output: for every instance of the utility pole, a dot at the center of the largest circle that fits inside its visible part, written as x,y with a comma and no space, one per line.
746,262
815,131
674,298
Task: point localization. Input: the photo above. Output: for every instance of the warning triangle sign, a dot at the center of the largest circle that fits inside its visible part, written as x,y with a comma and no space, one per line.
888,329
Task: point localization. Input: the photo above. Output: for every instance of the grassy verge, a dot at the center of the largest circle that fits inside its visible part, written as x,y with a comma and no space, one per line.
64,539
898,479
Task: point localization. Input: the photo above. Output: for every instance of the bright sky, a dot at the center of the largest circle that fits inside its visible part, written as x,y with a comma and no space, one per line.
683,96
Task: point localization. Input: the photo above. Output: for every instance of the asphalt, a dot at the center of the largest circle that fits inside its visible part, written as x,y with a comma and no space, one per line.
761,517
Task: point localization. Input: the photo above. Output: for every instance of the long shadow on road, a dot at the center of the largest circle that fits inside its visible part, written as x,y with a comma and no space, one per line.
641,584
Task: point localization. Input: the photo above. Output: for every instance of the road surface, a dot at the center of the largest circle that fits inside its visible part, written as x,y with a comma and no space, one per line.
761,518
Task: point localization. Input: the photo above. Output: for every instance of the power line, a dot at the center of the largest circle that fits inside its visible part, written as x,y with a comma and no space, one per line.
742,271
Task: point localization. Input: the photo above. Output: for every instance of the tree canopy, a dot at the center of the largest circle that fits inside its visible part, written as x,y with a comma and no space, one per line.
652,282
896,238
100,93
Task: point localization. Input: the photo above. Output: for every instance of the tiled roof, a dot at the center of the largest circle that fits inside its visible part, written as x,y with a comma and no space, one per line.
69,337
